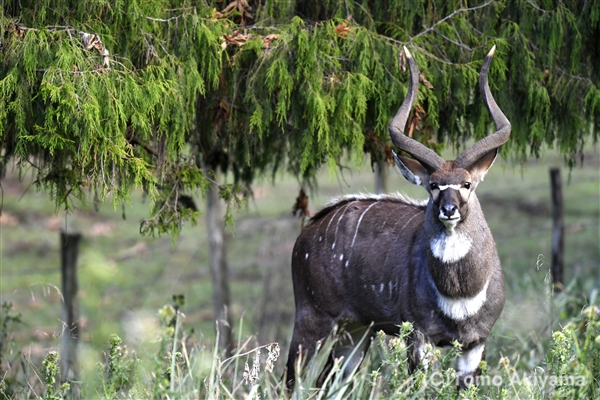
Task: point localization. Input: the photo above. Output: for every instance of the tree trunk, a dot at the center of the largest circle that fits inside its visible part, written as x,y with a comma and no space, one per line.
381,177
558,230
69,250
218,268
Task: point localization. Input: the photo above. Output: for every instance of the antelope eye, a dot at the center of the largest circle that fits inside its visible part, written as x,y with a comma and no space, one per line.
467,185
433,186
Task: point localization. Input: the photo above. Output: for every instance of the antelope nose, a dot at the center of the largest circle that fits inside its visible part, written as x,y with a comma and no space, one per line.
449,210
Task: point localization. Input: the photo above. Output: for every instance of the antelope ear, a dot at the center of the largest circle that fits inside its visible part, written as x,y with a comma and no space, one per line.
480,167
413,171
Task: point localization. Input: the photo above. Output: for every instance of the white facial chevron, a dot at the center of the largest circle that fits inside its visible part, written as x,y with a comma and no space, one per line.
444,187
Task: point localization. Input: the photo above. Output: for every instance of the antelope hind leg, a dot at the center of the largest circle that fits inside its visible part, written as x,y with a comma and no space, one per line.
417,352
309,329
353,342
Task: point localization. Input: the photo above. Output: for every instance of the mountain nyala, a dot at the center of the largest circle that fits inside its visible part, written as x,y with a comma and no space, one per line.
368,263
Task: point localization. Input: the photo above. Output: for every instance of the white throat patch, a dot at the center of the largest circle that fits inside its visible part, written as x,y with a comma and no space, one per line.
462,308
450,248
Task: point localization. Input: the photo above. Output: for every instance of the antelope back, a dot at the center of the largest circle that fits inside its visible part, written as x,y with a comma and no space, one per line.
356,248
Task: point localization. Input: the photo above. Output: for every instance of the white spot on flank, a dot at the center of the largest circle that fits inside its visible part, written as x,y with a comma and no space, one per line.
450,248
358,224
373,287
469,360
306,256
347,263
333,246
461,308
320,238
390,286
381,288
342,257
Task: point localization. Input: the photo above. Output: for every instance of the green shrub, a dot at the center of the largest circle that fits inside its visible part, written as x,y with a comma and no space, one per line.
187,368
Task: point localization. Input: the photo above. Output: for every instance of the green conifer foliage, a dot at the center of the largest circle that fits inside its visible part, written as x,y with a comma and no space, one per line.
114,95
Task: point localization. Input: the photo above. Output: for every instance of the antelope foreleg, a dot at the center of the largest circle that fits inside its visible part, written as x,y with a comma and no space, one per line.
467,366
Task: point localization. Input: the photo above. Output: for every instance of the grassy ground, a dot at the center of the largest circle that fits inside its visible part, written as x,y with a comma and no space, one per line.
125,278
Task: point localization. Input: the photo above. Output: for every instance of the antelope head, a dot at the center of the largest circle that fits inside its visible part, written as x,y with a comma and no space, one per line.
449,183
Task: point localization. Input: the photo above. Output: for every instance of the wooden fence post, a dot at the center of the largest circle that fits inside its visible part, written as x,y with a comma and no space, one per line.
558,230
381,177
69,250
219,269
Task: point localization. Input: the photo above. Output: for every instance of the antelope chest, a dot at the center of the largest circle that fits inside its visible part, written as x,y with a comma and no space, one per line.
462,308
450,248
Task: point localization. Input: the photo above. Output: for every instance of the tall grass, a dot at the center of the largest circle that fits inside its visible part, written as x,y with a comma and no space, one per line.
124,278
183,367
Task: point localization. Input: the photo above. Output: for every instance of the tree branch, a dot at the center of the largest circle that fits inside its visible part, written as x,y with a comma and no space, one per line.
133,139
575,77
166,20
532,4
461,45
432,27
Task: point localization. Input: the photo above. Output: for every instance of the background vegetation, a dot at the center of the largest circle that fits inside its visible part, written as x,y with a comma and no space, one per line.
125,279
164,94
153,105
